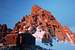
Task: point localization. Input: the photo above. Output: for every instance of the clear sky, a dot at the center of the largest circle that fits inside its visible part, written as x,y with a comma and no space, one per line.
12,11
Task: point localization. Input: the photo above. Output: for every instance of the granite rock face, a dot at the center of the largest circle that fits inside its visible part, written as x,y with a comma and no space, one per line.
40,21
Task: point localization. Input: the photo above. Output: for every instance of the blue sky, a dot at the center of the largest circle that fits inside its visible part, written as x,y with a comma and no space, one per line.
12,11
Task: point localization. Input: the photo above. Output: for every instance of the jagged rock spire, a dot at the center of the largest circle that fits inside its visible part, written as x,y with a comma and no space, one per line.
46,21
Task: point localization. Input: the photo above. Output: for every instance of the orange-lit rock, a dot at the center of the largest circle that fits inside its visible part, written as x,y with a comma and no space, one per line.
42,18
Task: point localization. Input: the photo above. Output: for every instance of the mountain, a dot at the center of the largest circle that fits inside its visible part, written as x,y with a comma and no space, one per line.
42,25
